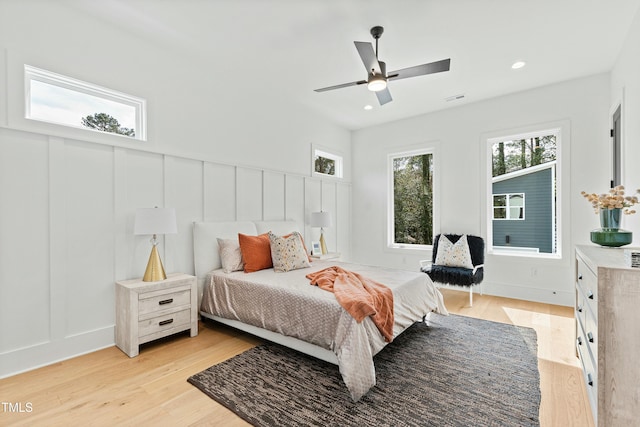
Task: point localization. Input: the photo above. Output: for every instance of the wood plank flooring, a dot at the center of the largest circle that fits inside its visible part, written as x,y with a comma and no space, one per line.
108,388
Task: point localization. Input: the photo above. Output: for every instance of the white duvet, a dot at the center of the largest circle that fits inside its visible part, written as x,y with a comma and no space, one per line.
286,303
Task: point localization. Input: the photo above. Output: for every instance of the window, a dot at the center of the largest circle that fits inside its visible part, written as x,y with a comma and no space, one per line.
523,168
508,206
327,164
411,213
62,100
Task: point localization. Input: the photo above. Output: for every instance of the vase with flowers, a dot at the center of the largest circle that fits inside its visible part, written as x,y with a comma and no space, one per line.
610,206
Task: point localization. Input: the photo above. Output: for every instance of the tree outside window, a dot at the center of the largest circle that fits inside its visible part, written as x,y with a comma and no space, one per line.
413,199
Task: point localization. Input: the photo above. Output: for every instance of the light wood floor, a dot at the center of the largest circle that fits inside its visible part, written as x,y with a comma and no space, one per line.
108,388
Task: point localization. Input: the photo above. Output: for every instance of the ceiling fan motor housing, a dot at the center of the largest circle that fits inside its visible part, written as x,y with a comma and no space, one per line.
377,31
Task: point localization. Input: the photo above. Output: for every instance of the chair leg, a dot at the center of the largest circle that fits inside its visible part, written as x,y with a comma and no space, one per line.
470,296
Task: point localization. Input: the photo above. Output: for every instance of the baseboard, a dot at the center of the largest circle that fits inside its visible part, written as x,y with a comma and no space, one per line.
39,355
547,296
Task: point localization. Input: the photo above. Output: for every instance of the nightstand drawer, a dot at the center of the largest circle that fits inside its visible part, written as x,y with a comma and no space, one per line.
152,302
164,323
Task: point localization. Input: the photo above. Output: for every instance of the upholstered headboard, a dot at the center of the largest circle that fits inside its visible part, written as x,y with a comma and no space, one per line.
205,244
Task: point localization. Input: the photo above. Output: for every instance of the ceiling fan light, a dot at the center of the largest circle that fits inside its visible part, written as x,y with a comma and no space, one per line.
376,83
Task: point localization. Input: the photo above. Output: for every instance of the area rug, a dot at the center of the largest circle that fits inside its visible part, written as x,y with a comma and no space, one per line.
455,371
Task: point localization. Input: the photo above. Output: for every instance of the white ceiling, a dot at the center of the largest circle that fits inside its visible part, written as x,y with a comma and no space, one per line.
281,50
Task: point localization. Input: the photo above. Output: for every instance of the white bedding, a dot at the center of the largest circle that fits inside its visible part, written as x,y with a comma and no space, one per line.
287,304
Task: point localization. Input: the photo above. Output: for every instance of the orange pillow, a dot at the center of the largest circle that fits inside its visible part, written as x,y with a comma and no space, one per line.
256,252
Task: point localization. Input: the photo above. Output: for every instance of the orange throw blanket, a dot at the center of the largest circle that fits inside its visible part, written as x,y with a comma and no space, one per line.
359,296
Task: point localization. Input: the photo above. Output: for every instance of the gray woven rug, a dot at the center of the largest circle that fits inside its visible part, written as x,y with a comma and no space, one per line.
457,371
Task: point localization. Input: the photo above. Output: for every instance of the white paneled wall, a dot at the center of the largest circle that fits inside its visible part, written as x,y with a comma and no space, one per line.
66,221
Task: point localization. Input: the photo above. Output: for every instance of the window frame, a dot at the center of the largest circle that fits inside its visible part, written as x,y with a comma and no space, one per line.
32,73
432,148
508,206
561,130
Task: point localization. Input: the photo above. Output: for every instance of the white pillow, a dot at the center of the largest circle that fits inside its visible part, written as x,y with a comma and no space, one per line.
454,254
230,255
287,252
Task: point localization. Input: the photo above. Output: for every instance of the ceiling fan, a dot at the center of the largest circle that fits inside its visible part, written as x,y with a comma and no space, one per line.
377,77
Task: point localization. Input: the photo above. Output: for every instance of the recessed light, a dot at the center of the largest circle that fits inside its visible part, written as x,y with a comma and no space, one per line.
368,107
518,64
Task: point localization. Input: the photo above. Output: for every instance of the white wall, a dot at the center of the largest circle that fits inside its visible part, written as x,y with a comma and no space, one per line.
625,90
193,109
68,198
460,132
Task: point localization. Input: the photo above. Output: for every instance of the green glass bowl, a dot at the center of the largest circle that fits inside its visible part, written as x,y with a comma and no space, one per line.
611,238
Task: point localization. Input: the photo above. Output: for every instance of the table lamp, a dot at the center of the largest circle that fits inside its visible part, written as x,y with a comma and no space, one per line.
155,221
322,220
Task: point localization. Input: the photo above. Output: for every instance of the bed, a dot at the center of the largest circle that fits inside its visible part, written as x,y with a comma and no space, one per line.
286,309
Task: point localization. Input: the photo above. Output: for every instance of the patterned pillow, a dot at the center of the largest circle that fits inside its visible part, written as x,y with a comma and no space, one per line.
230,255
287,252
454,254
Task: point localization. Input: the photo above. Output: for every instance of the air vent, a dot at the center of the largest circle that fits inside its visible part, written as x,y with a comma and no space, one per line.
454,98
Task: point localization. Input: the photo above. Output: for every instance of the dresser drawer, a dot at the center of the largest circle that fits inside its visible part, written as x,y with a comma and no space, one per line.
591,334
581,342
581,306
156,302
590,375
587,281
164,323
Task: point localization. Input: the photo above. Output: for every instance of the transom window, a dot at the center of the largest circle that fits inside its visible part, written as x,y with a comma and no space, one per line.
328,164
65,101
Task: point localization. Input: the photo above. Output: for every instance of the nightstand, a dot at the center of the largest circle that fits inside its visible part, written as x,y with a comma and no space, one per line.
146,311
330,255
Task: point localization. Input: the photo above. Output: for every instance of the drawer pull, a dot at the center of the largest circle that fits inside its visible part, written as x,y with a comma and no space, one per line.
166,322
589,380
590,336
590,296
165,301
579,340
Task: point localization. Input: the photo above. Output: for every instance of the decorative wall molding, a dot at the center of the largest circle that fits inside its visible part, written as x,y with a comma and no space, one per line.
68,208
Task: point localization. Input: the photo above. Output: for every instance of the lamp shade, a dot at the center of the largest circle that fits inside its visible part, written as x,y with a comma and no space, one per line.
320,219
155,221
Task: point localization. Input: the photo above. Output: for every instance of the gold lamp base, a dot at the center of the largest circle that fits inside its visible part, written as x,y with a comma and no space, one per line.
155,270
323,245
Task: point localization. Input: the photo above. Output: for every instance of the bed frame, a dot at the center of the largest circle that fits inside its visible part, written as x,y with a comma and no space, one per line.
206,258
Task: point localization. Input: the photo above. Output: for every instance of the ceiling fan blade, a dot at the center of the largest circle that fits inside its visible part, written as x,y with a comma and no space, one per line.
420,70
368,56
324,89
384,96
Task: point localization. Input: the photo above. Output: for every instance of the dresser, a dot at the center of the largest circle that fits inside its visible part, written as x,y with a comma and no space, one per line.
146,311
607,312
